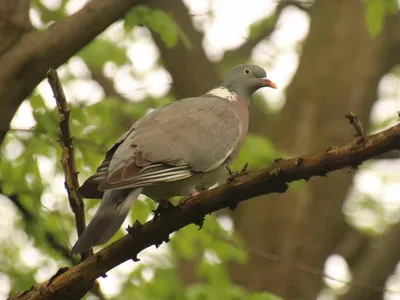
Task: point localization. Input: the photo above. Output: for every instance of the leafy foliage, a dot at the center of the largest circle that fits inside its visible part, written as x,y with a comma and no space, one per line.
101,50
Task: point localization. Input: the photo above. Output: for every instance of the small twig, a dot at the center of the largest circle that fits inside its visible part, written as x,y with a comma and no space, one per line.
68,164
360,133
67,158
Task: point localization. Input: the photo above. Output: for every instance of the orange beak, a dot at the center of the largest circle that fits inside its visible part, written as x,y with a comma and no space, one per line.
269,83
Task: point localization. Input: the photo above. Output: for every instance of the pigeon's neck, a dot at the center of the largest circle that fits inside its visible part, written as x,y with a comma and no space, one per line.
227,93
240,105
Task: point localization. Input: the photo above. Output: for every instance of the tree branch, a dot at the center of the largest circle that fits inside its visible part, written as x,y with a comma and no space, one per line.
274,179
25,64
67,158
69,167
14,22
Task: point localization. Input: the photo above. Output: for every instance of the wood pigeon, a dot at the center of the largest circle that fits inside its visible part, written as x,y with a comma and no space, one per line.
176,150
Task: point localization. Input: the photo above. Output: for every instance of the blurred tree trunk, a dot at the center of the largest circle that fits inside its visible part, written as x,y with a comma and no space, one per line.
339,70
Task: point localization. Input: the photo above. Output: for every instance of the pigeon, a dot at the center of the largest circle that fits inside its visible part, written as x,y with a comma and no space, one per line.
177,150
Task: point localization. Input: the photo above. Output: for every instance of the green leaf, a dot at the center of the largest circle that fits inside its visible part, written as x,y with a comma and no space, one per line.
136,16
163,24
100,51
376,13
37,102
158,21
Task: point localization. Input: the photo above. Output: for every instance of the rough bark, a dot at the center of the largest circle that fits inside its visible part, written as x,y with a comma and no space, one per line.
339,70
74,283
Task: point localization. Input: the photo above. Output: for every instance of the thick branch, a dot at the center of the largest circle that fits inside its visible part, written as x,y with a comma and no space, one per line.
266,181
14,22
25,64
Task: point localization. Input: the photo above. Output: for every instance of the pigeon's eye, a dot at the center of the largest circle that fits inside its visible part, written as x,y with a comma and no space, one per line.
247,71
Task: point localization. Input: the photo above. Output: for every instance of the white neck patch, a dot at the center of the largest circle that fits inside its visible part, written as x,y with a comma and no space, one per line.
223,93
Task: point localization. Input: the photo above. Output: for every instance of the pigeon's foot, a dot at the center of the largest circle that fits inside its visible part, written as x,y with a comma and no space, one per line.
163,206
235,174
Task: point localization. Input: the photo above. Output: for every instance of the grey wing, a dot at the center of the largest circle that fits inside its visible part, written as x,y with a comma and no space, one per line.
90,187
188,136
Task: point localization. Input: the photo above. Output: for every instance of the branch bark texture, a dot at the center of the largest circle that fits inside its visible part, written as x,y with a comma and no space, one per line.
74,283
67,158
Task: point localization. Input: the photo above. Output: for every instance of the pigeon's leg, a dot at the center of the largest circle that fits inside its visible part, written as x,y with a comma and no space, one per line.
163,206
235,174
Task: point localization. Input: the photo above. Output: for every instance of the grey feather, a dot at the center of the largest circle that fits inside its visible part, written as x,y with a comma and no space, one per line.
109,217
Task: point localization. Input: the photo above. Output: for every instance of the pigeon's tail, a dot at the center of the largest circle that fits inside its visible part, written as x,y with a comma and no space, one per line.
109,217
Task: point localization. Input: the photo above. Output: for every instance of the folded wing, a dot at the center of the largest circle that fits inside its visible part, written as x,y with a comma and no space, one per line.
188,136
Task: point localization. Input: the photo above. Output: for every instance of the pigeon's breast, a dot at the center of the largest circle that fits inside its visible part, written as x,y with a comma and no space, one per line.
241,109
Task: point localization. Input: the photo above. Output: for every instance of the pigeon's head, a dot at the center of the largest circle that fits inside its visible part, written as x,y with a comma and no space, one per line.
246,79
